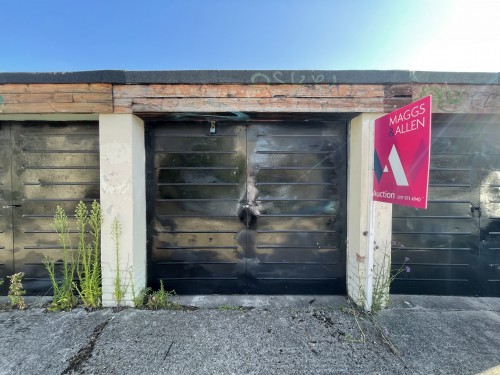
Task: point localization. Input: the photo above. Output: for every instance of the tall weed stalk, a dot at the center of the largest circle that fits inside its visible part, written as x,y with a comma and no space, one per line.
120,289
89,256
63,298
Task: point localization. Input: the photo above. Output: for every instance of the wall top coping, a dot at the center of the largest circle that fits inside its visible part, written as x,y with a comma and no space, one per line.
252,77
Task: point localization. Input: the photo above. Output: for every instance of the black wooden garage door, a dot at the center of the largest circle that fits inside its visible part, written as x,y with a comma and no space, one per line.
454,245
42,165
251,208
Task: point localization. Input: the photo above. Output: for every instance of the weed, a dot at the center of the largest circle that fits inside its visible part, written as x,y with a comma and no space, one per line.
160,299
16,291
357,313
120,289
89,255
383,280
63,297
383,276
140,299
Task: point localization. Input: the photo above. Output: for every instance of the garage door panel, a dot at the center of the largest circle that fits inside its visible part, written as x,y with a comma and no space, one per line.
298,239
40,142
437,210
276,190
282,193
197,271
62,191
450,244
197,207
303,161
449,192
199,175
436,256
53,164
283,271
66,160
47,176
196,239
179,224
182,160
318,145
298,207
452,176
179,254
453,145
200,144
299,255
433,286
450,161
295,175
297,286
427,225
407,241
312,223
198,191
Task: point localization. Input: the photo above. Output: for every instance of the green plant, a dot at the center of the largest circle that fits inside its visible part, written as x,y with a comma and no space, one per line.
63,297
357,313
384,277
16,291
140,299
89,255
160,299
120,288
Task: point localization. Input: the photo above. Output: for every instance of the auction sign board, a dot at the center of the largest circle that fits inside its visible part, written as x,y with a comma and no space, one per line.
402,155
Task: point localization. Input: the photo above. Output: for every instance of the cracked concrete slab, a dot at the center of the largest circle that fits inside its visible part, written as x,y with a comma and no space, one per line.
257,335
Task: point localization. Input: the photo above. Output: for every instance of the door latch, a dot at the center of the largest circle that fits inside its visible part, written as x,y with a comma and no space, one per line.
212,127
474,209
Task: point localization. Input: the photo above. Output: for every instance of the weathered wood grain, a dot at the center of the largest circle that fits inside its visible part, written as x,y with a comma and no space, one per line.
461,98
246,91
56,98
257,105
56,108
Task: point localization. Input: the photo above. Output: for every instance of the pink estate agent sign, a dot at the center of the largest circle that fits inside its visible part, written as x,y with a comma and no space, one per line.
402,155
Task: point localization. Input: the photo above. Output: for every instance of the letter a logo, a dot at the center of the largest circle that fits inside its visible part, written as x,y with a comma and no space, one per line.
396,167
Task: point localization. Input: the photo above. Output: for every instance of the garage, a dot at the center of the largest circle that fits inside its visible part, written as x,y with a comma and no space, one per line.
247,206
42,165
454,246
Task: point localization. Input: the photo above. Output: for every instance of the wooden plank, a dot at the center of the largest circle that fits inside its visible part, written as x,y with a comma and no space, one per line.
73,88
246,91
122,106
99,97
37,98
53,88
257,105
14,89
461,98
57,108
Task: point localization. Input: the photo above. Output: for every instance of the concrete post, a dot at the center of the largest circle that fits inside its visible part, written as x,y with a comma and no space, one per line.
123,196
369,223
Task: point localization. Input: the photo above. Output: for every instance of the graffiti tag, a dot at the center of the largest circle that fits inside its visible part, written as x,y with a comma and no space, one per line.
291,77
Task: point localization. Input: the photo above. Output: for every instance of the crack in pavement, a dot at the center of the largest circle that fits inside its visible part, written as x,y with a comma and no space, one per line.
79,359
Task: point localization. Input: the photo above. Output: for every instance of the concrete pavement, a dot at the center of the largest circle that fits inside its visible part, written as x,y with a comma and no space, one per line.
256,335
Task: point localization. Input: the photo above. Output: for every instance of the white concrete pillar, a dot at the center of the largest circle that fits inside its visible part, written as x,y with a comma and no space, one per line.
369,223
123,196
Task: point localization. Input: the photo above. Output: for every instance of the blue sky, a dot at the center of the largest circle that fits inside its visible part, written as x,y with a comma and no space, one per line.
62,35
